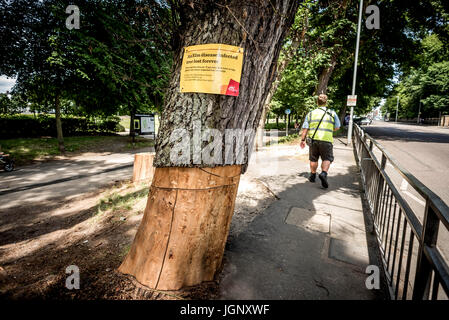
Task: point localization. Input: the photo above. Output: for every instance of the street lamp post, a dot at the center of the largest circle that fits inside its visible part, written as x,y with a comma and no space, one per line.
354,78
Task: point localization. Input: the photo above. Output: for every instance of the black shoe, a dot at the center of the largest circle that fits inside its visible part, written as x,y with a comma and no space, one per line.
312,177
323,178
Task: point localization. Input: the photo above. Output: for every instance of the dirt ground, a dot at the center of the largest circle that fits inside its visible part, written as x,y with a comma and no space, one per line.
94,232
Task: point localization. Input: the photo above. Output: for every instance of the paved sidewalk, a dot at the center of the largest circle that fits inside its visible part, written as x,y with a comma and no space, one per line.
312,242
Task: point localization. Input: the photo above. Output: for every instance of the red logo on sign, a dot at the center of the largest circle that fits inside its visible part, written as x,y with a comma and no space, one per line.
233,88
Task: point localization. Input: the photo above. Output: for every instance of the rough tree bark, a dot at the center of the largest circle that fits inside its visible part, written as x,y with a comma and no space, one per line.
132,129
59,125
326,73
297,39
181,239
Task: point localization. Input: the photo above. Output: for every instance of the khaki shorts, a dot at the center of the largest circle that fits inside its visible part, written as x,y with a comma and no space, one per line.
322,149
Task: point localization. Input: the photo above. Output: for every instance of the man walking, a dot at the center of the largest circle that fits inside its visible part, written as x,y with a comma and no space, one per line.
318,128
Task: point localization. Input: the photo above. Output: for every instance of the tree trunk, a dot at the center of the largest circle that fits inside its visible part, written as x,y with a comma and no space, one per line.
132,130
59,125
326,73
297,38
343,114
181,239
143,169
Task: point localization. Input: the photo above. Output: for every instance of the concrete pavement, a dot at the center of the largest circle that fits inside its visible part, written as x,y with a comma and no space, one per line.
309,244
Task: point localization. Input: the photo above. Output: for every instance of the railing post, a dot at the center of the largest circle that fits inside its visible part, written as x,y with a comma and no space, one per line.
379,186
423,275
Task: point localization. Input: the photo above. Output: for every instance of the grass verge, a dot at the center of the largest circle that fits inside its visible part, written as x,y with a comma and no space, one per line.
292,138
27,150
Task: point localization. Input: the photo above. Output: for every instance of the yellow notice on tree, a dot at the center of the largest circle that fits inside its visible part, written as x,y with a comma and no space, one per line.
212,68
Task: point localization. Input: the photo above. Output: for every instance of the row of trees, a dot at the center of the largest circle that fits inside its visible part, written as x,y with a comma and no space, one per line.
422,84
423,89
118,61
120,57
408,45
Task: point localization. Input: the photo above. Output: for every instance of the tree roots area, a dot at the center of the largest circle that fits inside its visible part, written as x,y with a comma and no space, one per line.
41,244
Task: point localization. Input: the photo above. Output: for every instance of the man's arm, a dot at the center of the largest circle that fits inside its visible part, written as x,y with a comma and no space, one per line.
304,133
303,138
305,129
337,123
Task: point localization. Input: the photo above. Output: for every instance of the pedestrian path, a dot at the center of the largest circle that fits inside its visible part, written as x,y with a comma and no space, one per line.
311,243
66,178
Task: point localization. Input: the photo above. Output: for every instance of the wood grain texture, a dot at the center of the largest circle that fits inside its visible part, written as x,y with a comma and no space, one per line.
181,239
143,169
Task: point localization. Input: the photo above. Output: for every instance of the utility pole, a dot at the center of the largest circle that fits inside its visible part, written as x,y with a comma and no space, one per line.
354,78
397,105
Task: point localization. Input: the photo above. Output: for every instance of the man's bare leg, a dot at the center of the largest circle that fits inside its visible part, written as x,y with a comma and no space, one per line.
325,165
313,166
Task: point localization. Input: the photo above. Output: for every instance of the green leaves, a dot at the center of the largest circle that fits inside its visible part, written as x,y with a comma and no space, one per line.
119,59
428,82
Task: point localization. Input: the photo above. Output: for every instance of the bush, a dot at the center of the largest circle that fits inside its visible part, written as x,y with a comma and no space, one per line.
24,126
289,138
281,126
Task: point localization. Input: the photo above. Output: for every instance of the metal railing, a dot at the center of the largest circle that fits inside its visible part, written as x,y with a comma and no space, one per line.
413,263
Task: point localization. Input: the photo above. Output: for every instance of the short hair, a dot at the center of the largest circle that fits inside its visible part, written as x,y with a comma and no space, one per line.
322,99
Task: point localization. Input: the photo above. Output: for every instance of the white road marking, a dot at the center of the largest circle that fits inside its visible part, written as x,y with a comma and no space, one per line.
415,198
404,185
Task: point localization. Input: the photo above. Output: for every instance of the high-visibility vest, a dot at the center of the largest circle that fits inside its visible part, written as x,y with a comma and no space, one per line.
326,129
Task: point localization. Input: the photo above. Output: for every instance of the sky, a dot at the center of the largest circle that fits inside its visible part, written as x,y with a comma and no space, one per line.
6,84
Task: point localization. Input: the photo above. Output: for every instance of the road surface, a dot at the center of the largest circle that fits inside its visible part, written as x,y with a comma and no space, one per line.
66,179
424,152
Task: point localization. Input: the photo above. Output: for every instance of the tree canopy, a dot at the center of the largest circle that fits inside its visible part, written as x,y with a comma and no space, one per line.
119,60
323,61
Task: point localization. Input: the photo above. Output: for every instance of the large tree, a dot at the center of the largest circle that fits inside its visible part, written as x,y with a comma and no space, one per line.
423,88
181,239
325,58
33,40
124,49
118,60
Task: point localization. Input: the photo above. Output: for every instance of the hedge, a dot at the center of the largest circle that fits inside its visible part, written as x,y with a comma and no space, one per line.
281,126
22,126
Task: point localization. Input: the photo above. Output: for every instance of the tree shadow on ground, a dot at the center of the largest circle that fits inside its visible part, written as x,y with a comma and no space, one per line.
30,226
273,259
97,249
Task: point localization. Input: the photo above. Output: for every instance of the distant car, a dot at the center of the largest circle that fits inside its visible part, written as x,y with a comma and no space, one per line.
362,121
366,121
